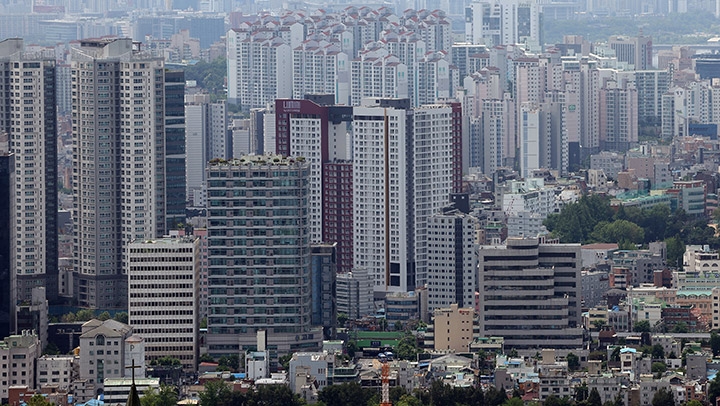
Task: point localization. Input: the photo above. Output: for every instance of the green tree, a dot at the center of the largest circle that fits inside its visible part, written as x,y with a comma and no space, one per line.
168,361
51,349
351,348
581,393
694,403
594,398
714,390
675,251
573,362
164,396
206,358
68,318
657,352
104,316
620,231
680,327
715,343
641,326
598,324
122,317
553,400
84,315
345,394
216,393
663,397
285,361
342,318
514,402
39,400
273,395
409,400
495,396
658,368
408,348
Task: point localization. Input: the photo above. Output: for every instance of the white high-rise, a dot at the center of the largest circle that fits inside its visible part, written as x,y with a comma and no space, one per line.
259,68
403,170
206,138
321,68
118,158
28,117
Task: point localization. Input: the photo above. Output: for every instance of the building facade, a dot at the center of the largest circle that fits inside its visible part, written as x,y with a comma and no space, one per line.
32,140
164,294
530,294
118,163
259,251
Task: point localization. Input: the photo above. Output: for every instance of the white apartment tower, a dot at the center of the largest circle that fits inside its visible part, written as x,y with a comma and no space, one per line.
452,259
164,294
28,117
206,138
403,168
118,162
320,67
259,68
503,22
378,74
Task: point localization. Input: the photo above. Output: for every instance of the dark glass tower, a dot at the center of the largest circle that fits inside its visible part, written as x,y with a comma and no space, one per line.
175,181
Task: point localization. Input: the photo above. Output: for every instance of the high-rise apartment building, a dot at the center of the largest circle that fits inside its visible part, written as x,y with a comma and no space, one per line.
164,292
530,294
318,130
206,138
118,162
320,67
377,73
405,165
28,115
259,251
260,68
503,22
452,259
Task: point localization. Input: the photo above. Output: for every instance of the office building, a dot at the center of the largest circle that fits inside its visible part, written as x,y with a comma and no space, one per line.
259,251
406,163
28,116
164,292
635,51
175,161
8,292
118,163
355,297
323,273
530,294
452,259
206,138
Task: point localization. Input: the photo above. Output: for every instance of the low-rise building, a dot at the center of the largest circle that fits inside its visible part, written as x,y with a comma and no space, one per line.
17,361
